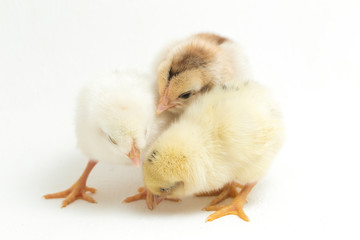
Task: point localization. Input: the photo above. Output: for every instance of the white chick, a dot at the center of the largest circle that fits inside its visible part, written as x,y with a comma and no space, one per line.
115,117
231,133
196,64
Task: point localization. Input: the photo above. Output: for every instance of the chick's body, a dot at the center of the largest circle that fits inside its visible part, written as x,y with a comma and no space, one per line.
196,64
231,133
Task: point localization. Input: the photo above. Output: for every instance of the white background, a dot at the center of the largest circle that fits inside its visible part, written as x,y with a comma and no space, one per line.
306,51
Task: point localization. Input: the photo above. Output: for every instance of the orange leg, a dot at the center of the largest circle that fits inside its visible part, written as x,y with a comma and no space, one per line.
149,197
78,189
235,208
229,190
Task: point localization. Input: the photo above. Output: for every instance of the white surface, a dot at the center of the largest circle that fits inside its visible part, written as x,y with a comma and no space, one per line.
306,51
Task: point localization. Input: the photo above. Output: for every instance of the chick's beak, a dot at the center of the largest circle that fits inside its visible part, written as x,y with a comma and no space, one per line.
162,107
164,103
134,155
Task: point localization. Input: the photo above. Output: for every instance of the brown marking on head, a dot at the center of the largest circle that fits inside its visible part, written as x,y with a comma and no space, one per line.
187,69
194,55
212,37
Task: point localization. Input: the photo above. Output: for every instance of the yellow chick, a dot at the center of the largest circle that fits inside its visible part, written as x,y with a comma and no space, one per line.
196,64
227,137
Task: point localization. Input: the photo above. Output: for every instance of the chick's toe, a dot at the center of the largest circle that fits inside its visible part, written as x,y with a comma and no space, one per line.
151,199
235,208
78,189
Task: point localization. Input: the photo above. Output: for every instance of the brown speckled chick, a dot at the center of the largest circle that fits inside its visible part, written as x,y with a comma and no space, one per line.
195,65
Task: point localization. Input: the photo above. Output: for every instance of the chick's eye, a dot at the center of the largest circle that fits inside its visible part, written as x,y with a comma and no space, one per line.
185,95
112,140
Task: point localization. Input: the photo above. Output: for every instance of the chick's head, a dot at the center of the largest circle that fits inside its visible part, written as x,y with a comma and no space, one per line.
123,119
124,133
170,166
184,74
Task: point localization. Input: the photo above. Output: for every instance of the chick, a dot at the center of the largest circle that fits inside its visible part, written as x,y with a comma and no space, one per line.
115,119
227,137
196,64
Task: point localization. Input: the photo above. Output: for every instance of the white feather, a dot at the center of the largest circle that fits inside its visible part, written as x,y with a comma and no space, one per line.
120,106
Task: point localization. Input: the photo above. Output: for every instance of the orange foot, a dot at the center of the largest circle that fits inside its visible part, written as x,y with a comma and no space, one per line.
149,197
78,189
235,208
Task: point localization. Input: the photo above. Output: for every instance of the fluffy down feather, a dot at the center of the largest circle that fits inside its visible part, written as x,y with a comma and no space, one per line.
196,64
113,113
230,133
